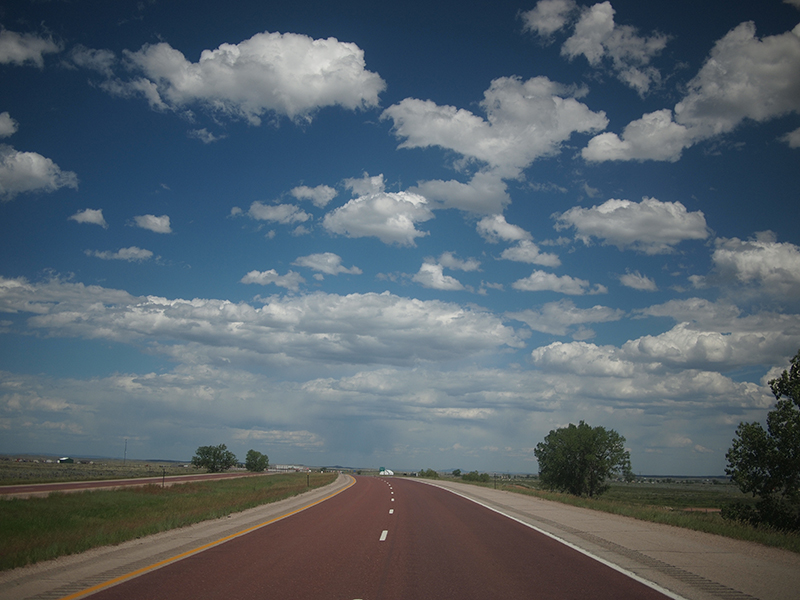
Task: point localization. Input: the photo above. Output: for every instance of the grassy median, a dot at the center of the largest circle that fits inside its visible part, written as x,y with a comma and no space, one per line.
36,529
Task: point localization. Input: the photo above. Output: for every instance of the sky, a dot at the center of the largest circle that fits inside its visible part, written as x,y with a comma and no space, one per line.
407,234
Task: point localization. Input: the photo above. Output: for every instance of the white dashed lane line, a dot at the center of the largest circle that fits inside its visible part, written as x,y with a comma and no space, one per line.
384,533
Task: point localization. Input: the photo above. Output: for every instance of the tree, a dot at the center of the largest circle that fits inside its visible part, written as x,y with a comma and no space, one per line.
766,462
456,472
256,461
579,459
214,458
430,474
475,476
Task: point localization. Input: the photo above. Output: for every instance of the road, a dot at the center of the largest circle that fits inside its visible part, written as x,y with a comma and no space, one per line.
386,539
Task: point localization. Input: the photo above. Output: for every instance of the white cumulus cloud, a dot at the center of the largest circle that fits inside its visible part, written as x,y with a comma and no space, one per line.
28,172
528,252
153,223
548,16
558,318
389,216
90,215
541,281
431,275
650,226
495,228
525,120
745,77
290,281
637,281
131,254
285,214
319,196
326,262
8,126
287,74
772,265
25,48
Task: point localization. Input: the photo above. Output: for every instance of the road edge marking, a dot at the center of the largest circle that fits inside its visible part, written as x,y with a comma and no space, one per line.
623,570
177,557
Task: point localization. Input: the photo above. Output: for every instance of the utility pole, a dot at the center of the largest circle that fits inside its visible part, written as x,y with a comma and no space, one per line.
125,455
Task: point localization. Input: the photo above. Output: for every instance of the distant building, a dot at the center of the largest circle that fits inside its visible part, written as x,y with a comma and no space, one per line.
385,471
65,460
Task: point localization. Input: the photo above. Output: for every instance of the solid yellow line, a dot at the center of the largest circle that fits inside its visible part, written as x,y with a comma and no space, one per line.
121,578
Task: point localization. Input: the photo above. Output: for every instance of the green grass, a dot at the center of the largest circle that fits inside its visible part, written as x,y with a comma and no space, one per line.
667,503
13,472
36,529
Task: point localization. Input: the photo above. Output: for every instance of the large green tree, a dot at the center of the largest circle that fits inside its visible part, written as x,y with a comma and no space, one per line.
766,462
214,458
578,459
256,461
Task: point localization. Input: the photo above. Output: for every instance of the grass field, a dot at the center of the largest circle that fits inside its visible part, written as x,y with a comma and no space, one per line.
37,529
691,504
35,469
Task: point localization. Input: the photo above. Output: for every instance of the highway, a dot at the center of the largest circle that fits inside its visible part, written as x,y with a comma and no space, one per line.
386,539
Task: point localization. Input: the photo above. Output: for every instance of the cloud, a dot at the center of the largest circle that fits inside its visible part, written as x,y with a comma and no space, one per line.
8,126
525,120
102,61
451,261
90,215
131,254
389,216
650,226
771,265
548,16
204,135
285,214
327,262
637,281
485,193
154,223
558,318
319,196
28,172
597,37
495,228
286,74
296,331
25,48
431,275
792,138
528,252
290,281
541,281
653,137
692,346
744,78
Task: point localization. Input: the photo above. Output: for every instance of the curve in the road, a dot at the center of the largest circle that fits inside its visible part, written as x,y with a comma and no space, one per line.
385,539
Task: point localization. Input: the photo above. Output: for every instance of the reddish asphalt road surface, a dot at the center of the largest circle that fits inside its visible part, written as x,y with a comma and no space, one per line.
387,539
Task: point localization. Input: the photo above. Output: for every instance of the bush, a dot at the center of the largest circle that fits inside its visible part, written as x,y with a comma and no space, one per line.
475,476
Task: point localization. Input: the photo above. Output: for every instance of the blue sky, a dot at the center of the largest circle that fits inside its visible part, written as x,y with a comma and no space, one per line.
416,234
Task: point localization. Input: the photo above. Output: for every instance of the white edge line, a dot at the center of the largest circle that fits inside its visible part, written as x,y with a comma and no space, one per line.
599,559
